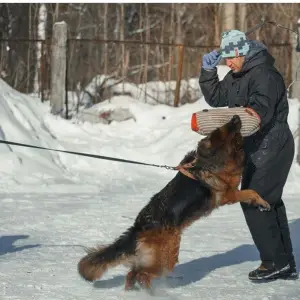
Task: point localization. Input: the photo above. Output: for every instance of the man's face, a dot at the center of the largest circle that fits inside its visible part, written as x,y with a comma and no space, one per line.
235,63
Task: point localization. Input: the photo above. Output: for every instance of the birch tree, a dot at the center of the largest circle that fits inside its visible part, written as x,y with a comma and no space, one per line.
41,35
229,15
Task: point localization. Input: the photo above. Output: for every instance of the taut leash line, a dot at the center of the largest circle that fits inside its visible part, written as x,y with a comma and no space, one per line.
87,155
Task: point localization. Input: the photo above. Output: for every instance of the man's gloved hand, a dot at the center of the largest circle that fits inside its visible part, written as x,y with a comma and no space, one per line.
210,60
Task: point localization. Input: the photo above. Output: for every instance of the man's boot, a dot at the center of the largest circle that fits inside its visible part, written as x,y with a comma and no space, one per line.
267,271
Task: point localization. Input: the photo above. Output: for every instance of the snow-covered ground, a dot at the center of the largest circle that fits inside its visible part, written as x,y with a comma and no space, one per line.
53,204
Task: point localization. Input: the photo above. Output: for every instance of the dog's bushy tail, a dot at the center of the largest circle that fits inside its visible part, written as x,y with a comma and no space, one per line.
99,259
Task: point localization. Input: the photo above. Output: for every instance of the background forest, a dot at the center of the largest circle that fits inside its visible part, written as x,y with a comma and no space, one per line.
150,31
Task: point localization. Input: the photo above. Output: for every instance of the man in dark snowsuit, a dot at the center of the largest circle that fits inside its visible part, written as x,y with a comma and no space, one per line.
254,82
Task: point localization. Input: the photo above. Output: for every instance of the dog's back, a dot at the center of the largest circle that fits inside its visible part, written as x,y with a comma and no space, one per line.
179,201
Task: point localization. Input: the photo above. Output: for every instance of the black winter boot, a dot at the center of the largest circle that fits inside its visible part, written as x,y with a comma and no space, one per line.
294,273
263,273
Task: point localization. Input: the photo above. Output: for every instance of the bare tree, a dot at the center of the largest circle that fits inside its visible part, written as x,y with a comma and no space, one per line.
105,36
41,35
242,14
146,61
229,15
198,24
217,19
171,40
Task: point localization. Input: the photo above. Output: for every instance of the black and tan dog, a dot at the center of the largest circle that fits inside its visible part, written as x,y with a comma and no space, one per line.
208,178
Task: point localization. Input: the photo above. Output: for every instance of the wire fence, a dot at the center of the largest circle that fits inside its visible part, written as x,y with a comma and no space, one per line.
161,72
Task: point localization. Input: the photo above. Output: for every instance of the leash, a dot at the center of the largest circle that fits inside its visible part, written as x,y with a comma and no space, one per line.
181,168
89,155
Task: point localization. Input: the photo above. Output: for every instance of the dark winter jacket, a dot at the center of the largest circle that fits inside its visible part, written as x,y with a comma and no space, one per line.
259,85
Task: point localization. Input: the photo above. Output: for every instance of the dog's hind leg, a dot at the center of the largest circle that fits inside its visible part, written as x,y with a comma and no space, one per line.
172,253
157,253
131,279
166,253
144,279
145,276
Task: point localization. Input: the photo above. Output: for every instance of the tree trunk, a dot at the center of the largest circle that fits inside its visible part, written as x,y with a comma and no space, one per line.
217,14
229,12
179,52
28,53
41,34
147,49
56,15
171,40
122,39
105,29
242,13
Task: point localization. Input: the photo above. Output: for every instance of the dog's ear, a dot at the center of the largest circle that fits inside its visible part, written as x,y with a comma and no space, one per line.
217,137
206,143
204,147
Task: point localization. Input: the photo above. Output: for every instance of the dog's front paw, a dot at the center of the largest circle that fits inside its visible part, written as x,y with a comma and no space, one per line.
266,207
263,204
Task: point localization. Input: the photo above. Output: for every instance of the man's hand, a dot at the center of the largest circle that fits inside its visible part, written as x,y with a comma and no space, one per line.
210,60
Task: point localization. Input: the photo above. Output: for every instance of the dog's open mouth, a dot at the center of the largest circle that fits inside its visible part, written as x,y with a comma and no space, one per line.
237,123
238,141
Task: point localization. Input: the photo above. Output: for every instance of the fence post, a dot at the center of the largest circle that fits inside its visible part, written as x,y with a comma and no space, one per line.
179,74
58,68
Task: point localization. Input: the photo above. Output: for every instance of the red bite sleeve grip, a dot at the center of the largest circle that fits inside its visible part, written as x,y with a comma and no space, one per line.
252,112
194,124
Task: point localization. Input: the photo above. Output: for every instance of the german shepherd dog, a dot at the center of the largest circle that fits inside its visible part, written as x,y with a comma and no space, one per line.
207,178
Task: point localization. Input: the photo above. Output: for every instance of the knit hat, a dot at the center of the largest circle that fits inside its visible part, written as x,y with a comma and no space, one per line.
234,43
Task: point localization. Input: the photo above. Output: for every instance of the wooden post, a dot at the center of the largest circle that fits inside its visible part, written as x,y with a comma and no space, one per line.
58,68
179,74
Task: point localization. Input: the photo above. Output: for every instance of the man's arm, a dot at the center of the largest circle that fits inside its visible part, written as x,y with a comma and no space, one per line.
263,95
214,91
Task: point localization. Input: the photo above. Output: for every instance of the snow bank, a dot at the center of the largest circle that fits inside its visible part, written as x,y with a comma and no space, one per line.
22,120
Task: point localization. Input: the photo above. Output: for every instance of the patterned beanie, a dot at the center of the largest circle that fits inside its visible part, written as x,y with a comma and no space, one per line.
234,43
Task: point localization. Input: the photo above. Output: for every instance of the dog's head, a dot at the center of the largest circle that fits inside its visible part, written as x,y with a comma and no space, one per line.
224,143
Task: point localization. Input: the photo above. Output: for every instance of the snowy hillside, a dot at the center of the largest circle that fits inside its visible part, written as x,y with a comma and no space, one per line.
53,204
